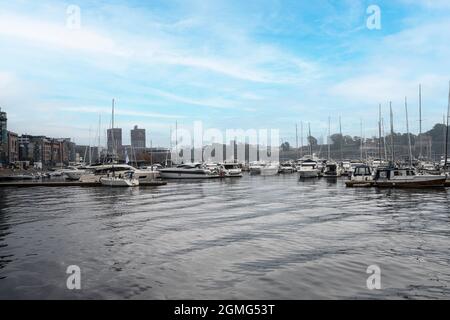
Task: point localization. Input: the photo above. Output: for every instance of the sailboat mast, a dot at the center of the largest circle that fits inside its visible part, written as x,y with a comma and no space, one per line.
342,138
99,137
392,133
310,139
301,137
329,138
407,132
420,121
361,147
296,139
176,139
447,131
379,131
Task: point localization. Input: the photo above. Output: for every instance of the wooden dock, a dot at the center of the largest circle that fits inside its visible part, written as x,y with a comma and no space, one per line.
62,184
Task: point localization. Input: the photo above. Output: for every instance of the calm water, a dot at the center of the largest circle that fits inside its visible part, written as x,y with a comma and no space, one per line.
250,238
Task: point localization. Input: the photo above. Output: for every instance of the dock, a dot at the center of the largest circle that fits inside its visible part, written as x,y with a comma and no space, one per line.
61,184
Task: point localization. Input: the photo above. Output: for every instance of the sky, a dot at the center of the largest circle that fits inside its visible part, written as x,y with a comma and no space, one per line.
231,64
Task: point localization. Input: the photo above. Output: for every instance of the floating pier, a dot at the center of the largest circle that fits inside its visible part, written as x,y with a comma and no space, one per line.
54,184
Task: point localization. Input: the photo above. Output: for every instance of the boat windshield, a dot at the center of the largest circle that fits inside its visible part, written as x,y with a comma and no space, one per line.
362,171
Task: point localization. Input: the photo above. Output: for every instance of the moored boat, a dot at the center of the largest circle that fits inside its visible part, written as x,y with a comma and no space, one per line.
188,171
125,180
392,177
308,169
361,177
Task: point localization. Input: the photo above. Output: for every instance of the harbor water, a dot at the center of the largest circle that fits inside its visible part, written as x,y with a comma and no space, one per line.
250,238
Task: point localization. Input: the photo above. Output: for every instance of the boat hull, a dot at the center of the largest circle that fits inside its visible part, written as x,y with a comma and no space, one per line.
117,183
269,171
175,174
309,174
415,183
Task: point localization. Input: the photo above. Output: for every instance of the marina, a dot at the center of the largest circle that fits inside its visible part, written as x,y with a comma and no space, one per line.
281,236
245,151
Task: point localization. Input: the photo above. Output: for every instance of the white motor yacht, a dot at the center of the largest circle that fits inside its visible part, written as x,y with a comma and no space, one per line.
332,170
232,170
95,173
270,169
188,171
122,180
308,169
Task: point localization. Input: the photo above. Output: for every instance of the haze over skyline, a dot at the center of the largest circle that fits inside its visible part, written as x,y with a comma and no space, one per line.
229,64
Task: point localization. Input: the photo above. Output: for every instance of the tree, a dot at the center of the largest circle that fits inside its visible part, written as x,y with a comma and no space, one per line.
312,141
285,146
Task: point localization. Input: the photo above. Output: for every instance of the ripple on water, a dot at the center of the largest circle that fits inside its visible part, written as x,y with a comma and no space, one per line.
252,238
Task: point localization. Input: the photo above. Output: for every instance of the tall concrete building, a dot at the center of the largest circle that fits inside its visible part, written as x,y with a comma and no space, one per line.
3,138
138,138
114,140
13,147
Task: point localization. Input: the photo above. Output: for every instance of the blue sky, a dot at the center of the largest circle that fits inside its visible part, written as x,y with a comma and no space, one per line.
230,64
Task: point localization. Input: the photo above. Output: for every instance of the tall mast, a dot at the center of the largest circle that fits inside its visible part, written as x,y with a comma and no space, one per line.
384,139
301,137
379,131
329,138
361,155
446,131
90,148
420,121
407,132
296,139
392,133
176,139
310,140
99,136
342,138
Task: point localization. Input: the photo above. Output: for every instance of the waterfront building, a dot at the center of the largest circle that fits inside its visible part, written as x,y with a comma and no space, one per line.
115,140
13,147
87,156
3,138
138,138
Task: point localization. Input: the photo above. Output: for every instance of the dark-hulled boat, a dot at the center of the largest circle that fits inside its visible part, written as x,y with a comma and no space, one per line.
392,177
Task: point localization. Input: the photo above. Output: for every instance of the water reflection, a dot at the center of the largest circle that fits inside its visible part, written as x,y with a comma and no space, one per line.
251,238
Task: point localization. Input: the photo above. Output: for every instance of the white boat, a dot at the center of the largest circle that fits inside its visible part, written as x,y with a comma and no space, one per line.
332,170
270,169
255,168
361,177
231,170
125,180
95,173
346,168
287,167
75,174
308,169
188,171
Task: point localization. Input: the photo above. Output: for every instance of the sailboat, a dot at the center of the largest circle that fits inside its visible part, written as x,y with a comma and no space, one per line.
126,179
446,164
395,177
309,166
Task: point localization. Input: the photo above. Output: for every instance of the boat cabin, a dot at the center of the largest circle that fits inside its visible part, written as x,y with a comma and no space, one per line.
391,173
361,171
